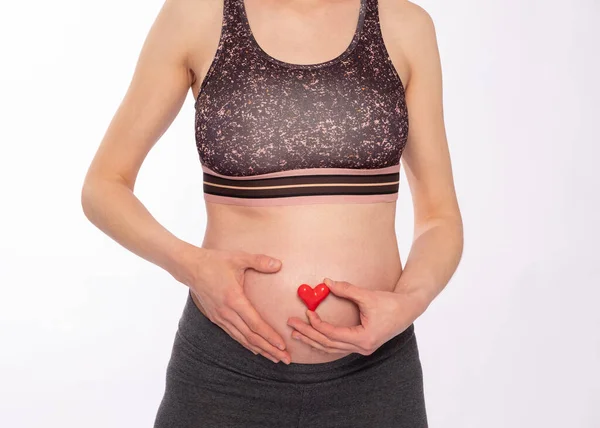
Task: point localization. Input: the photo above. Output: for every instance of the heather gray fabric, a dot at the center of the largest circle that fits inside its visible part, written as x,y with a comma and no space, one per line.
213,381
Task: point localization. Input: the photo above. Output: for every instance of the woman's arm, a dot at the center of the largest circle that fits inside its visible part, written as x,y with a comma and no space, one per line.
154,98
157,91
438,237
438,231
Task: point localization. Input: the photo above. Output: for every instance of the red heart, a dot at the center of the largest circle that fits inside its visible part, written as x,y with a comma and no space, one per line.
311,297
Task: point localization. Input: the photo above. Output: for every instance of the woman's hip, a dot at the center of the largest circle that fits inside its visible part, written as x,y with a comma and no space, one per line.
212,376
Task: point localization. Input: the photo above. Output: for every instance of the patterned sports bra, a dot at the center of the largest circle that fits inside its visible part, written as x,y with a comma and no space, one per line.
270,132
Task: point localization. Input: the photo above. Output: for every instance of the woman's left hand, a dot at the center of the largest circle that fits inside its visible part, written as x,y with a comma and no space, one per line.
383,315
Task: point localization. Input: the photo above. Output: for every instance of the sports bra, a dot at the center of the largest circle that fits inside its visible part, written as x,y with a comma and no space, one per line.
269,132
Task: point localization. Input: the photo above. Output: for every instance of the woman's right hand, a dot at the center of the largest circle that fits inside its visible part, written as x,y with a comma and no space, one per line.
218,285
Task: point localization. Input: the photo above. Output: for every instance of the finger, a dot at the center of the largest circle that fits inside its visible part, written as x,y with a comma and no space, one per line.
354,335
235,333
308,331
255,338
346,290
257,324
231,329
299,336
263,263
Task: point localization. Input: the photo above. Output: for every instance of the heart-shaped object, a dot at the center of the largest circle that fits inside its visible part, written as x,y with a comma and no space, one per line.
312,297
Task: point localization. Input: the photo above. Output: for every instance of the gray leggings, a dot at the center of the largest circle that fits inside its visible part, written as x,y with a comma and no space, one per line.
214,382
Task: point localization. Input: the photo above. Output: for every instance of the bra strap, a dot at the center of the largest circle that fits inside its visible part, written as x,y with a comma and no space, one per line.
371,25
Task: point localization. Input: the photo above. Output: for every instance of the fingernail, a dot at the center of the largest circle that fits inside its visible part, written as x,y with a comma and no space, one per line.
280,346
273,263
286,360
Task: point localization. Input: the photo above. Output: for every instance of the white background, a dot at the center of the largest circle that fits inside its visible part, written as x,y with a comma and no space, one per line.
86,327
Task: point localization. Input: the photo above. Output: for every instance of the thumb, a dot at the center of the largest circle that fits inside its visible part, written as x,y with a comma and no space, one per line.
264,263
345,289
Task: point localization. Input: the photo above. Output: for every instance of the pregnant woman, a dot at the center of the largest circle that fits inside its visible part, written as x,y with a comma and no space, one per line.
299,311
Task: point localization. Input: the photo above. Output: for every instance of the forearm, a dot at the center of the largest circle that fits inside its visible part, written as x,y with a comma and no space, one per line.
434,256
113,208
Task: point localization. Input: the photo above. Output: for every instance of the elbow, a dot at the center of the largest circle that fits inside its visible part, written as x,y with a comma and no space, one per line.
454,223
87,198
89,195
450,219
457,227
450,222
98,191
460,243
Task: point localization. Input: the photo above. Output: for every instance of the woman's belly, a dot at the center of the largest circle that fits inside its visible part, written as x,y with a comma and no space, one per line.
351,242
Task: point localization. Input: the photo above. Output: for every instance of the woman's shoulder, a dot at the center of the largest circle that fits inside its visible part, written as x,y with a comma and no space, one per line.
409,33
406,12
192,27
406,20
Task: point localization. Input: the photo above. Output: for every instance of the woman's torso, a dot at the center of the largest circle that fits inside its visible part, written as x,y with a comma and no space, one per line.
354,242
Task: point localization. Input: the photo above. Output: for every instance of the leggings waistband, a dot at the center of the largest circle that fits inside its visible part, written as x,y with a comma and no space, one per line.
210,342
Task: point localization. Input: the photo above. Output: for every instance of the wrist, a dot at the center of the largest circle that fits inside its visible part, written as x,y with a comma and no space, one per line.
186,262
418,297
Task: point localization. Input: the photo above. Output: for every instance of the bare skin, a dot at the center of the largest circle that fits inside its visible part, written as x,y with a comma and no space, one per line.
228,275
